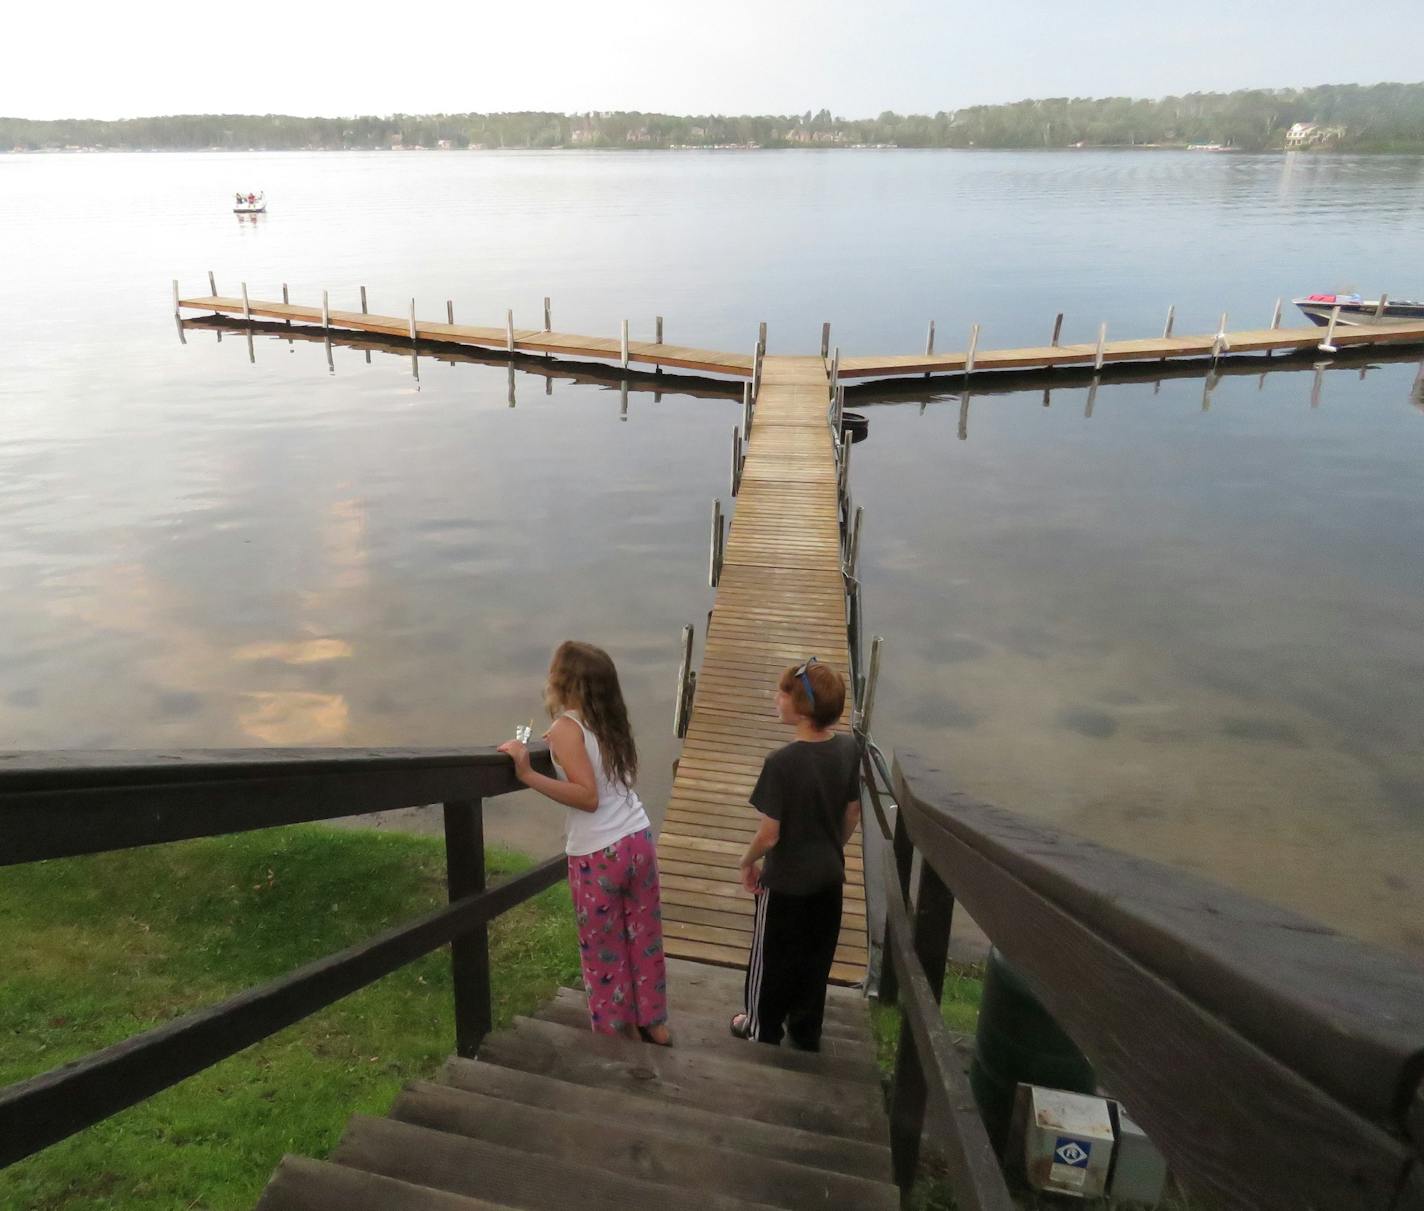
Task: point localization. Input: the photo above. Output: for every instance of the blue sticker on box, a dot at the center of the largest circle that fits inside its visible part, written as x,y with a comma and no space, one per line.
1071,1152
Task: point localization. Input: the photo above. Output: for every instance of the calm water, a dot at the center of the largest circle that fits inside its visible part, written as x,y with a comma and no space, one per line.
1189,624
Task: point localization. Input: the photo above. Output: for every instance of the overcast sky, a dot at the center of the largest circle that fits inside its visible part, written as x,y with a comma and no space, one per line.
722,56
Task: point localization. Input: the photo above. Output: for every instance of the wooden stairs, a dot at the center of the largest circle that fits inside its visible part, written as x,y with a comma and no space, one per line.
553,1117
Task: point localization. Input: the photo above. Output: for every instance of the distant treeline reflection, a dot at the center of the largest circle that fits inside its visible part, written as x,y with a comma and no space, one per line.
1354,117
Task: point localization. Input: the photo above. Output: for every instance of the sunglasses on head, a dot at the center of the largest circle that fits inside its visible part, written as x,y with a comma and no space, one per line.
800,672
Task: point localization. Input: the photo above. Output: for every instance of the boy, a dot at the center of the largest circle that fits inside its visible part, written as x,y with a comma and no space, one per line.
808,795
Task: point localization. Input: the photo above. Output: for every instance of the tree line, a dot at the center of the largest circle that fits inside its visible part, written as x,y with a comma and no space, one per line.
1377,117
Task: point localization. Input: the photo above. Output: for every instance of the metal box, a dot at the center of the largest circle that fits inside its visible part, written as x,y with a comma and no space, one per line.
1067,1141
1139,1173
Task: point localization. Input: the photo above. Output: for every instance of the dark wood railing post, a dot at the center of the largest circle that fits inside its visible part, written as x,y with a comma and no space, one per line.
934,914
904,858
469,955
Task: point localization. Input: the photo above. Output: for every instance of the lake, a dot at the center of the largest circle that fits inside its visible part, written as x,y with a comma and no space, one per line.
1187,620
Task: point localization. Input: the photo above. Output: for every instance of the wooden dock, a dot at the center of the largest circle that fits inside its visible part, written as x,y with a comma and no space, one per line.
654,354
780,598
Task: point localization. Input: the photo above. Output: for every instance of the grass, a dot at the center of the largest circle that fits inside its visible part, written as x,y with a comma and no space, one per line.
97,949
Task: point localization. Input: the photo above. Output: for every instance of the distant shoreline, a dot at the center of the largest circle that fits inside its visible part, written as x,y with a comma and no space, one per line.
843,147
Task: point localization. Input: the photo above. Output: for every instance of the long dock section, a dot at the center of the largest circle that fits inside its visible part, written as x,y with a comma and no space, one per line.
780,598
509,339
1206,346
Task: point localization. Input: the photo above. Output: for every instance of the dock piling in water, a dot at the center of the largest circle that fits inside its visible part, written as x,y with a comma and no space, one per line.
929,340
1276,316
624,343
326,310
212,285
509,332
177,305
1102,345
1057,330
363,300
450,311
658,331
548,325
285,300
1328,344
973,348
825,339
412,322
1171,318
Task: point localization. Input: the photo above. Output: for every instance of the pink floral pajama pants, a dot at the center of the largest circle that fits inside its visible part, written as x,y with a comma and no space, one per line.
618,910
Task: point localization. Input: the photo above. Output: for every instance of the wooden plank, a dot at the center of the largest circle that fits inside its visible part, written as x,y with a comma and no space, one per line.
636,1147
633,1105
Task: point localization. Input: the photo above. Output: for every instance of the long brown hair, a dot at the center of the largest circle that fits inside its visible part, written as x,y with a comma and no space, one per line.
582,678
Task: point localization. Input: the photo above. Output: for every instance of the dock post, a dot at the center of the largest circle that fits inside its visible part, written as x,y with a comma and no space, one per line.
547,326
872,679
286,298
756,371
1219,343
686,677
973,346
1102,342
1092,395
363,301
1057,329
714,558
1171,318
929,341
825,339
511,384
412,321
330,359
658,331
325,311
845,468
246,310
747,412
449,311
835,371
761,338
964,417
1381,305
1316,386
1328,344
509,330
852,555
622,399
177,310
624,343
1276,316
212,285
736,460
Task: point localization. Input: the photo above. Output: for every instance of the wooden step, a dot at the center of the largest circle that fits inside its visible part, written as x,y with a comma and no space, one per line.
711,1036
474,1168
706,984
856,1158
300,1184
635,1147
708,1082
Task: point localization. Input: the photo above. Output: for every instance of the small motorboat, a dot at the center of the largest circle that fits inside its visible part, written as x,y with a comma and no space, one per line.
1356,311
250,203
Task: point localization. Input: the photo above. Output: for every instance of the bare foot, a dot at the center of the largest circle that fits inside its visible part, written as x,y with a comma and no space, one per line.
658,1035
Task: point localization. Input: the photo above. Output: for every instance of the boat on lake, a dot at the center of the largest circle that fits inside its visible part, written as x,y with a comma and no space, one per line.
1355,310
250,203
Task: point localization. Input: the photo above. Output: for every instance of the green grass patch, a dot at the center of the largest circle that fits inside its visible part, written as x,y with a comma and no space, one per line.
96,949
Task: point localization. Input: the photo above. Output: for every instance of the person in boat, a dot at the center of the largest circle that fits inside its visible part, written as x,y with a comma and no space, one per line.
240,199
252,199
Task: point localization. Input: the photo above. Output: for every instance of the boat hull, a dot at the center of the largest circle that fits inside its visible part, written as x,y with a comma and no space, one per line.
1362,314
249,210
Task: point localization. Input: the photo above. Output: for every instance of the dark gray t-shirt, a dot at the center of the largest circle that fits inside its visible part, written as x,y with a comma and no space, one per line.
806,786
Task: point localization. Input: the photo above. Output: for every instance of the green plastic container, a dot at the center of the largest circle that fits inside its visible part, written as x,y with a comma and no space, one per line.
1017,1041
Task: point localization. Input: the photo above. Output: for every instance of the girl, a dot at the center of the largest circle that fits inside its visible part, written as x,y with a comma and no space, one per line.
808,795
613,865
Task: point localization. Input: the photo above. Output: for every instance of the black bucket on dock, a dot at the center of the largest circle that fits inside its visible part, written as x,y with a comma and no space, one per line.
1017,1041
857,424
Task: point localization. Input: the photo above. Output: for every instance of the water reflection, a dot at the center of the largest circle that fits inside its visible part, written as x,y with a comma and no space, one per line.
1193,634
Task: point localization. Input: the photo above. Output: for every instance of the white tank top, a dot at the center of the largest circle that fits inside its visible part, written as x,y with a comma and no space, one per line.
619,813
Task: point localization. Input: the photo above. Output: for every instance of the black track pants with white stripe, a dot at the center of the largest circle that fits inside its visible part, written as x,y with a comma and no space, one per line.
793,944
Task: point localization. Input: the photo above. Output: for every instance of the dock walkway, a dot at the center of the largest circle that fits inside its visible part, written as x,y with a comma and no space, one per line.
780,599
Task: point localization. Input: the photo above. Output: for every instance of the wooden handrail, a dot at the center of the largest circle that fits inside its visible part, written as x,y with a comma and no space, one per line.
60,804
926,1062
1272,1060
